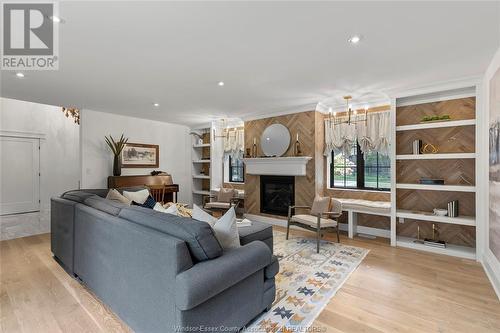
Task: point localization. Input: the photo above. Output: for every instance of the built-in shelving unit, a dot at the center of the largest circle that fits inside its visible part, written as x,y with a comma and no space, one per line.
428,187
201,161
412,202
450,249
437,124
428,216
448,156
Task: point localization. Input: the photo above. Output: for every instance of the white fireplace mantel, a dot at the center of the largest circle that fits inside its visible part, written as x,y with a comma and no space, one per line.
279,166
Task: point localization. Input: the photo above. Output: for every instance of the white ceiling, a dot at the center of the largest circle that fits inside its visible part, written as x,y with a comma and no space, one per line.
120,57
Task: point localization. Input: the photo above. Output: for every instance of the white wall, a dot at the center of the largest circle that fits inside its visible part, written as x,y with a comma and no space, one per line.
59,158
97,159
490,262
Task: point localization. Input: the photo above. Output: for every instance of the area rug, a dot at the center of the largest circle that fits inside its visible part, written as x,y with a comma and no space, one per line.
306,281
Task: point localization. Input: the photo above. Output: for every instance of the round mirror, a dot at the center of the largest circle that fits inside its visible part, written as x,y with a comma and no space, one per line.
275,140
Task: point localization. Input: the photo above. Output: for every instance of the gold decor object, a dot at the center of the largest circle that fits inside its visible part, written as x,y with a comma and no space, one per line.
429,148
73,112
296,148
352,115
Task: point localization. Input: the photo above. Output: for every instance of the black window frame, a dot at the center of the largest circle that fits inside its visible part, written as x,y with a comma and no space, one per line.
242,167
360,173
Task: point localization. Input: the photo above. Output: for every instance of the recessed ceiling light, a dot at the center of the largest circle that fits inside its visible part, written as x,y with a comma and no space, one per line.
221,83
19,74
156,105
57,19
354,39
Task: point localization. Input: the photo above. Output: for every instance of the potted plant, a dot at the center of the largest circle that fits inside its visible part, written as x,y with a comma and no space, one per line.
116,147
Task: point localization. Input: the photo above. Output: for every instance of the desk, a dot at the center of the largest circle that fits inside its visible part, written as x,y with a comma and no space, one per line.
171,190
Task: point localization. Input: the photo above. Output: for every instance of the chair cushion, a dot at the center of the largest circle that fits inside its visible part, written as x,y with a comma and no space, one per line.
225,195
320,205
313,220
216,204
199,236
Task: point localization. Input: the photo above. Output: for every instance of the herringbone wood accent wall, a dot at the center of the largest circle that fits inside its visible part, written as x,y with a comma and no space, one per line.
458,109
454,172
304,124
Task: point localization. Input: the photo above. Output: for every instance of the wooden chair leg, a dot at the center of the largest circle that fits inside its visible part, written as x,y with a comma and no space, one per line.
287,228
318,234
338,236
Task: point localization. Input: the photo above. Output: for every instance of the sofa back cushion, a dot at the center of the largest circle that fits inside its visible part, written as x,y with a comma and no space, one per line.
104,205
199,236
77,195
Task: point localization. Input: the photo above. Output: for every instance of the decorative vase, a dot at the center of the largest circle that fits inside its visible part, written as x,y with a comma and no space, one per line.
117,166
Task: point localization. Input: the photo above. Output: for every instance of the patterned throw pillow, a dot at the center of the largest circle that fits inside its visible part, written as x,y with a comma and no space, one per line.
149,203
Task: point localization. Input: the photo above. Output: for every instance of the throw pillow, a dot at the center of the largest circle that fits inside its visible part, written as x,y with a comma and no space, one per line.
170,210
225,228
225,195
138,196
117,196
200,215
149,203
320,205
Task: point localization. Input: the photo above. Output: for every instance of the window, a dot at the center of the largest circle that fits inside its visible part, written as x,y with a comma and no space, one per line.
236,170
361,171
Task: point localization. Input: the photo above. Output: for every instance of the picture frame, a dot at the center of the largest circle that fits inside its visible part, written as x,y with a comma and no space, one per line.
140,155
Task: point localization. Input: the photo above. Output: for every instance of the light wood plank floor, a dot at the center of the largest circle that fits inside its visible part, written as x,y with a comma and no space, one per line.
393,290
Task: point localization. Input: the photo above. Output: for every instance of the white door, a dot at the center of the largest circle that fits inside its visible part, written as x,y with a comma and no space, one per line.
19,175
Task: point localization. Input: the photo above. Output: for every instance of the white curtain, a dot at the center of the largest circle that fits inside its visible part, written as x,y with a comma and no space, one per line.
234,143
372,136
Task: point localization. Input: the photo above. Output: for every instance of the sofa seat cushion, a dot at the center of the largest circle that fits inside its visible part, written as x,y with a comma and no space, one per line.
199,236
104,205
256,231
312,221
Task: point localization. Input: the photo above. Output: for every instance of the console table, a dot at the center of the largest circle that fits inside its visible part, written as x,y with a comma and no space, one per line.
171,190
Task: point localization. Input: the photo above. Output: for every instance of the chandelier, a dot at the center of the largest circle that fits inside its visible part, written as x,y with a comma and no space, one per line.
352,116
73,112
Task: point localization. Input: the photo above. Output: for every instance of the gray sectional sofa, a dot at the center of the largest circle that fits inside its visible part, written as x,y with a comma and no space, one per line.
159,272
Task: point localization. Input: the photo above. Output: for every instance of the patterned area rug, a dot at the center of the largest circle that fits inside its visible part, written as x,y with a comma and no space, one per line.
306,281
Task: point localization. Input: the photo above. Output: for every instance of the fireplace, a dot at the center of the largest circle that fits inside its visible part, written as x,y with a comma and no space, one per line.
276,194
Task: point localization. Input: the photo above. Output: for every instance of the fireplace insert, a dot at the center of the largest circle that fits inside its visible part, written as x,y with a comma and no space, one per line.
276,194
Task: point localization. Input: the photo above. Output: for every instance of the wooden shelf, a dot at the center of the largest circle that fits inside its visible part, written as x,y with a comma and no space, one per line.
201,192
201,177
451,250
427,216
440,124
455,188
202,161
201,145
436,156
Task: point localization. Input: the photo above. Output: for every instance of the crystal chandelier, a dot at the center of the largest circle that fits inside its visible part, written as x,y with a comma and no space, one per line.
73,112
353,116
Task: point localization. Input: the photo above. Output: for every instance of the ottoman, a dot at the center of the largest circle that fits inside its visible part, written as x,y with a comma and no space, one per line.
257,231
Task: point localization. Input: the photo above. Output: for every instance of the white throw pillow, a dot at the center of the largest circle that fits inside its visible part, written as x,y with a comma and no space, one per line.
170,210
138,196
200,215
225,228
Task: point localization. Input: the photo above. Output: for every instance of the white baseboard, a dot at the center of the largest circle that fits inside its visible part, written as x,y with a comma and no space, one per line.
343,226
492,268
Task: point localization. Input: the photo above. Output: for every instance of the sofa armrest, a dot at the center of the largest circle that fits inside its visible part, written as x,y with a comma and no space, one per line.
209,278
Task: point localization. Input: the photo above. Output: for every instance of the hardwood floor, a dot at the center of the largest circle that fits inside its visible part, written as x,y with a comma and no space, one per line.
393,290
